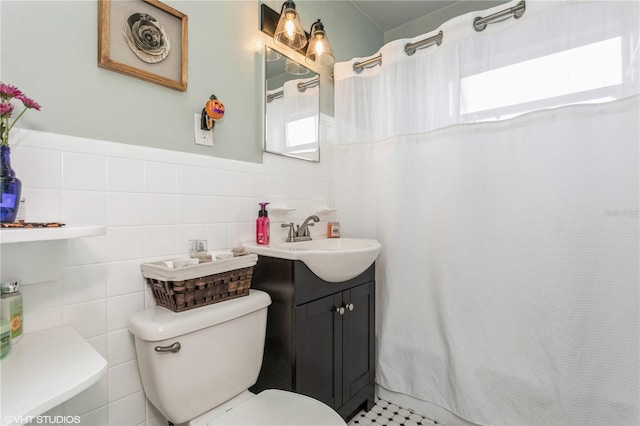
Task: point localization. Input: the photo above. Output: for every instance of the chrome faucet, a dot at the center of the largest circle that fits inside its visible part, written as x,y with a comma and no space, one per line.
302,231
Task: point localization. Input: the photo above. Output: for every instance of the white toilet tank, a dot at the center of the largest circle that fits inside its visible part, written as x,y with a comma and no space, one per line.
220,353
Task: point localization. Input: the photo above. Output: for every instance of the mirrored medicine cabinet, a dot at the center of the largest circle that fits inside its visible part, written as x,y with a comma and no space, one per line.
291,107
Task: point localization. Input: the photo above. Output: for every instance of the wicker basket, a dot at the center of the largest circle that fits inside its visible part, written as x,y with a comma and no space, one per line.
199,285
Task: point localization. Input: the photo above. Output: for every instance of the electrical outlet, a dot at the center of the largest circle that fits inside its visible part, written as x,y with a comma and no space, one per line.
202,137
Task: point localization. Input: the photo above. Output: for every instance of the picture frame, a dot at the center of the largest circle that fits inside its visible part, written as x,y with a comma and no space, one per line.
145,39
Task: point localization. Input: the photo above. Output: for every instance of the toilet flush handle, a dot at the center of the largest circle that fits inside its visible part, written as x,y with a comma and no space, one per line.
171,348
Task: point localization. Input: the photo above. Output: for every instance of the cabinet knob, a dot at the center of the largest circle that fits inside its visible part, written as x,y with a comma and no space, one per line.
350,307
339,310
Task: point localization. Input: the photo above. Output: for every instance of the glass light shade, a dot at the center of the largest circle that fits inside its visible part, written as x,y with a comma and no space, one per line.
289,32
319,51
294,68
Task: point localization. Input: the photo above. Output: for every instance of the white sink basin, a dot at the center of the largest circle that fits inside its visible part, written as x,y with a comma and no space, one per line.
332,259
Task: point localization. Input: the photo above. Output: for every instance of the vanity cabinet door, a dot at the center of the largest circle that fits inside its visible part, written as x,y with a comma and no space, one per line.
358,340
318,357
335,345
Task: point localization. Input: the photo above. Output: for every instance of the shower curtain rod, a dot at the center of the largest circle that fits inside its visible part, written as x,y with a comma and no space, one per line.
409,49
302,86
516,11
479,24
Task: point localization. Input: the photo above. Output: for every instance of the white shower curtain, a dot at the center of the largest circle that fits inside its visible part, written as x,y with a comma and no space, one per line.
500,172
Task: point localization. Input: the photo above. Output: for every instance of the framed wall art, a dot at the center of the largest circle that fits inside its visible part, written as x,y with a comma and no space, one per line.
145,39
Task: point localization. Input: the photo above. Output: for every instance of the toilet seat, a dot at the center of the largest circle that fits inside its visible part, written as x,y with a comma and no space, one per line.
274,407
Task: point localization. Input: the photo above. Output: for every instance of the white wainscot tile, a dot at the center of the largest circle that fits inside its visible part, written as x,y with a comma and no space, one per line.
243,209
189,209
99,417
149,301
124,278
125,243
121,346
86,250
216,209
99,343
125,175
192,180
154,417
83,171
159,209
124,380
94,397
159,241
216,182
184,233
41,296
38,168
238,184
160,178
125,209
89,319
241,232
128,411
84,208
42,205
42,319
84,283
120,308
32,262
217,236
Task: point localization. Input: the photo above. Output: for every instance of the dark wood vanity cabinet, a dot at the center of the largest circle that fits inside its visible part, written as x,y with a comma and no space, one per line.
320,336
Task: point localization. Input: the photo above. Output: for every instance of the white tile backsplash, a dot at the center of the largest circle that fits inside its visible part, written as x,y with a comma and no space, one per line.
120,308
124,209
124,278
84,171
125,379
151,202
89,318
84,283
160,178
128,411
125,175
121,347
84,208
159,209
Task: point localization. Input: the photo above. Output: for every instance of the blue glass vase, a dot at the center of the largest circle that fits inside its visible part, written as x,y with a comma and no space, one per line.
10,188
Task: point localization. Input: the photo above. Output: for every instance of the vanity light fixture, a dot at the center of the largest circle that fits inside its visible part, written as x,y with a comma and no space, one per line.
294,68
287,32
319,51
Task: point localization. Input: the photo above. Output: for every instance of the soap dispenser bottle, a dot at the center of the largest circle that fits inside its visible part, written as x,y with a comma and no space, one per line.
262,225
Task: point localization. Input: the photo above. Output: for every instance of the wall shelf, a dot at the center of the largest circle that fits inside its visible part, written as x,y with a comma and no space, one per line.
45,369
23,235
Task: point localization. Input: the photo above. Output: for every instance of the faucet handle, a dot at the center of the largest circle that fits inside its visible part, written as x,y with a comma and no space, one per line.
290,226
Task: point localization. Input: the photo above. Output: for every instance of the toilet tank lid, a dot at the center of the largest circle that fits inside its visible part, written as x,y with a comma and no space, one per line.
160,323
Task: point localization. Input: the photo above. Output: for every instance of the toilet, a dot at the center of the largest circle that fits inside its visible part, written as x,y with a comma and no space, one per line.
197,366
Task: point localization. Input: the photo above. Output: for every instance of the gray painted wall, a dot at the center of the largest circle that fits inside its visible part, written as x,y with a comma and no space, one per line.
49,50
432,21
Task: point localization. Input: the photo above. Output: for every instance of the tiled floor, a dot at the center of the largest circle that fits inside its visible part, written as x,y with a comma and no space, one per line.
388,414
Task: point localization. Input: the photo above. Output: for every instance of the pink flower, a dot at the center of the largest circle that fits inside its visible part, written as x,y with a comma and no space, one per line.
6,109
29,103
8,91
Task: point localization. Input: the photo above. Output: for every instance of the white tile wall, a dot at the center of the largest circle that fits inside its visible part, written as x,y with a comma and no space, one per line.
151,202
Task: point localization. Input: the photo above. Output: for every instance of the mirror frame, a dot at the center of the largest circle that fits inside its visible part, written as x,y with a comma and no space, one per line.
316,156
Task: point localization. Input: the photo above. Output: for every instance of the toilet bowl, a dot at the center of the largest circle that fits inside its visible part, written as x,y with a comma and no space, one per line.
196,367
